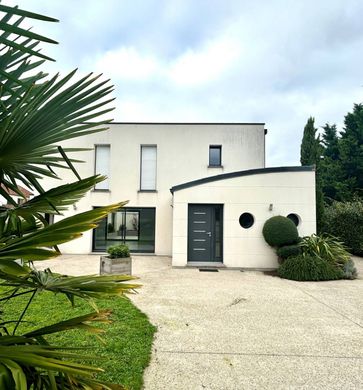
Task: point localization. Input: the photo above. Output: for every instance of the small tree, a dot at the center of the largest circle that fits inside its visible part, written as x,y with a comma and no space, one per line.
309,151
310,155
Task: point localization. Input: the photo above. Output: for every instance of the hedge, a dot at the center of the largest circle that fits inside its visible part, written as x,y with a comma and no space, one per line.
344,220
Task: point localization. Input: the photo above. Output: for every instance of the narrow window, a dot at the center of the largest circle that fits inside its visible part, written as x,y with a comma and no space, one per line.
148,168
215,155
102,165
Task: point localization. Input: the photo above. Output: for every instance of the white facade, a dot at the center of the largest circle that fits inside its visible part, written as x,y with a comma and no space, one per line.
266,193
179,153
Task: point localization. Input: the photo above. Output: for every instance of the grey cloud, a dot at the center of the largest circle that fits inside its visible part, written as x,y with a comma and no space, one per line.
296,59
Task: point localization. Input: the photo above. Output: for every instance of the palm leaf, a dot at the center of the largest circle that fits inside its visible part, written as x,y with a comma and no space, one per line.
80,322
32,246
53,201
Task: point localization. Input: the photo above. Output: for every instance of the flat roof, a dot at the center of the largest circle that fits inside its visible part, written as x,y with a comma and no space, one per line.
187,123
248,172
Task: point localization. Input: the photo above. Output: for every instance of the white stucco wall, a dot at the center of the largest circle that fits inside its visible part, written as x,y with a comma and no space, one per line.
288,192
182,155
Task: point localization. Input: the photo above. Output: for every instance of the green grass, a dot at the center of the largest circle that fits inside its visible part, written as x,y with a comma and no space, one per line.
127,341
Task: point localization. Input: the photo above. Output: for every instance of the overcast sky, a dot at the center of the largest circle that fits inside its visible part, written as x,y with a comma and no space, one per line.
273,61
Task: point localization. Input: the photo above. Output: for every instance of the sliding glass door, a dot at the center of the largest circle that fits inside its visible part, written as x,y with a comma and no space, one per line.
132,226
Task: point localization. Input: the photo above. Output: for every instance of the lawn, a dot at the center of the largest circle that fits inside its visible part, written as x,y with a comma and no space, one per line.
127,341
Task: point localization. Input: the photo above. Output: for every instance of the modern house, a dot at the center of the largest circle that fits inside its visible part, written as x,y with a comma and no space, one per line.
199,192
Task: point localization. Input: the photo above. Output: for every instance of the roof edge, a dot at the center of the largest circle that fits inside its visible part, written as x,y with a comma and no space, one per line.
187,123
248,172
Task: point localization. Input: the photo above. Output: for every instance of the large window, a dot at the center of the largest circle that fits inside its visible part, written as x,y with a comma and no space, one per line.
132,226
102,165
215,155
148,168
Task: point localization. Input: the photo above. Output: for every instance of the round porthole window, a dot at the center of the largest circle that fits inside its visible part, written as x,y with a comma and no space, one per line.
294,218
246,220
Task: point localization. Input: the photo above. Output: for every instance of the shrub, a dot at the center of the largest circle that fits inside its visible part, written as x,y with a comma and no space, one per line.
345,221
116,251
349,270
326,248
280,231
288,251
305,268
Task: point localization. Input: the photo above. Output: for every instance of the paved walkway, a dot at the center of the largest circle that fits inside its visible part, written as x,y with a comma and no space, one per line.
245,330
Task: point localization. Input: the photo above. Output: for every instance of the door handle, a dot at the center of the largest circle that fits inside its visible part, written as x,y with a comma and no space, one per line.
209,233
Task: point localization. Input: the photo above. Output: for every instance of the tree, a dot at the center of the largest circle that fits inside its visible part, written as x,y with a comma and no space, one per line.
351,151
333,184
329,141
36,114
309,151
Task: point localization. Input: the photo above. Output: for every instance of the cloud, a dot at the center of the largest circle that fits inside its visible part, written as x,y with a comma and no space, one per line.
183,60
126,63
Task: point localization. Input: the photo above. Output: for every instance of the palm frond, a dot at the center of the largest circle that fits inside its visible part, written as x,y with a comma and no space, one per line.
53,201
33,246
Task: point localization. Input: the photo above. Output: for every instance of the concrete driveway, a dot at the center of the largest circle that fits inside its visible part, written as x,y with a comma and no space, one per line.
247,330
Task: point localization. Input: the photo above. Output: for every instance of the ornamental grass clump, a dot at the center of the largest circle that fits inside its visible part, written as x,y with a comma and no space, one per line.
325,247
308,268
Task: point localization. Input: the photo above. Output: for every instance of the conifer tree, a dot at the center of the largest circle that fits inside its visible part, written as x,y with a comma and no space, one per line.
309,152
351,151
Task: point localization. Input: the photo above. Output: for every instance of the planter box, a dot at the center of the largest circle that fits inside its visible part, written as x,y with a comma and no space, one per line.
120,265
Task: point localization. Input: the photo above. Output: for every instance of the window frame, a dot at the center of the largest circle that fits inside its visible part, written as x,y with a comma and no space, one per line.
109,168
156,167
124,240
210,165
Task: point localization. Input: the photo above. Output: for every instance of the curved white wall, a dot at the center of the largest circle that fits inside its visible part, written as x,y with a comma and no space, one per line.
288,192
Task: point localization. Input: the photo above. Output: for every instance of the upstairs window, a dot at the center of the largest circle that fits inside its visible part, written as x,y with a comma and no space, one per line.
148,168
102,165
215,155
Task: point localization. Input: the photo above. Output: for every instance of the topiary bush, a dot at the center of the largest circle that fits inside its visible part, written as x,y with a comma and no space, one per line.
288,251
308,268
117,251
345,221
280,231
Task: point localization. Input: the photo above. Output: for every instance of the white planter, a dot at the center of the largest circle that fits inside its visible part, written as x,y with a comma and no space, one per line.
119,265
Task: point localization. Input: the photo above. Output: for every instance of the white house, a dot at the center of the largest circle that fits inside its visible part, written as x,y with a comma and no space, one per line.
197,191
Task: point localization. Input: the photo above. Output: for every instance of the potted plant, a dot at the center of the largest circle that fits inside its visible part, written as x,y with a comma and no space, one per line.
118,260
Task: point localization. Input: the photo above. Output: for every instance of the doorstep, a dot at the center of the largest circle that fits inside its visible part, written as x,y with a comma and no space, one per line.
204,264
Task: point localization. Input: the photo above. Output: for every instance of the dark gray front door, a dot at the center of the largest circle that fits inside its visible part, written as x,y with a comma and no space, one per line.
204,232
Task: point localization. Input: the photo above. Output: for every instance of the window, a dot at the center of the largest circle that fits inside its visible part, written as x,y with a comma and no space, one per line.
215,155
294,218
246,220
134,226
148,168
102,165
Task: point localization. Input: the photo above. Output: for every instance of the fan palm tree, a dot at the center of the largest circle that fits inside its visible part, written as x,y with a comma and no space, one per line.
37,113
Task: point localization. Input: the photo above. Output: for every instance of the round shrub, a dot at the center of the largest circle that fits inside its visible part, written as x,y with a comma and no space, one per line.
117,251
305,268
288,251
280,231
344,220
